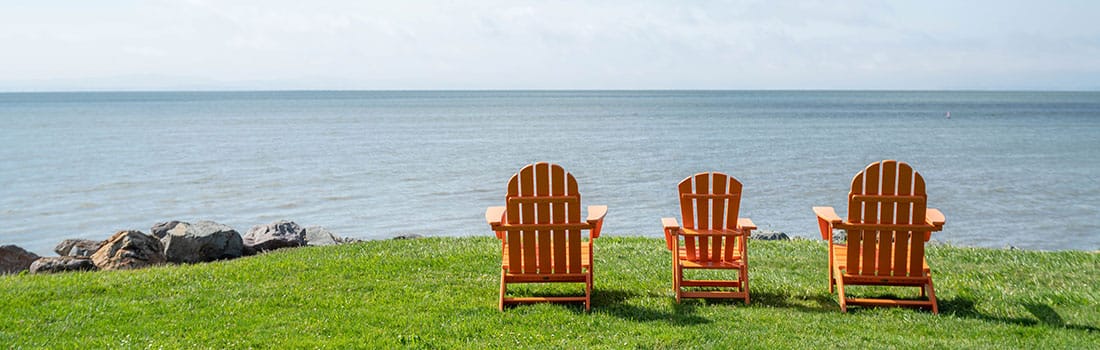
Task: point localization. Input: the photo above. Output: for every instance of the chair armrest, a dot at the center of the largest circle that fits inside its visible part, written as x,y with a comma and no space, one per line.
670,224
934,217
828,214
826,220
595,218
745,224
596,213
671,228
493,216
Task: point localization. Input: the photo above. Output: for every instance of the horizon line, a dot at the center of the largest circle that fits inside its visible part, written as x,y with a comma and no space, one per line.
63,91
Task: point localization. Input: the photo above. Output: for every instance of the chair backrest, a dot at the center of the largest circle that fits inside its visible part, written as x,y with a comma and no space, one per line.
886,221
710,201
543,221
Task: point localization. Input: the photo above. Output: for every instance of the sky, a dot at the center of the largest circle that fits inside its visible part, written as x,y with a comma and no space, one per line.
50,45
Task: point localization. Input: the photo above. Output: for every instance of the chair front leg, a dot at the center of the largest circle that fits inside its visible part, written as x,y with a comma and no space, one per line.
745,265
588,292
832,280
677,272
591,260
503,290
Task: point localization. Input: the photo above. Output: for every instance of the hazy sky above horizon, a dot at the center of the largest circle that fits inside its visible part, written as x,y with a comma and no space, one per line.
276,44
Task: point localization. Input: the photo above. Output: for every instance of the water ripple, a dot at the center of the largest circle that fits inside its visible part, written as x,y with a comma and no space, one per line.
1007,169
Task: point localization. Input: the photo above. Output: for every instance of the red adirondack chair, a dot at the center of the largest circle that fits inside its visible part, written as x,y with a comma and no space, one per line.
887,226
540,232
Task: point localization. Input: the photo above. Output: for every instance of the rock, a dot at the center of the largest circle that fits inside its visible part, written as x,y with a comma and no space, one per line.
129,250
348,240
408,236
280,234
840,237
318,236
14,259
77,247
57,264
770,236
160,229
200,242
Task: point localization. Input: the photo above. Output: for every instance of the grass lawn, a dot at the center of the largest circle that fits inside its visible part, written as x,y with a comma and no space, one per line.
442,293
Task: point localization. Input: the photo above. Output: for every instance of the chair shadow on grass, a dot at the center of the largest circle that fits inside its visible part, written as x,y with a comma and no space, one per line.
822,303
613,302
819,303
1044,315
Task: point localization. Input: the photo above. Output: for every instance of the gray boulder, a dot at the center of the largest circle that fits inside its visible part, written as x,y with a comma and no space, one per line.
276,235
160,229
770,236
14,259
57,264
318,236
129,250
200,242
77,247
840,237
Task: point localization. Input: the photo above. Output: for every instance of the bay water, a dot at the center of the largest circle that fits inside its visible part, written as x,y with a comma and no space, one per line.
1006,168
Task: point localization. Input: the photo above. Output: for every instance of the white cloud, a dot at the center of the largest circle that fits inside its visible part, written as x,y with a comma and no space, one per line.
568,44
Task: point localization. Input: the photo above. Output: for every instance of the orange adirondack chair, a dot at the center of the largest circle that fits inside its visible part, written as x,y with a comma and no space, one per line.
714,237
540,232
887,226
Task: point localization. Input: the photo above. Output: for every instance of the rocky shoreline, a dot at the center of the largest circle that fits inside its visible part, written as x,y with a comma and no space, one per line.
180,242
176,242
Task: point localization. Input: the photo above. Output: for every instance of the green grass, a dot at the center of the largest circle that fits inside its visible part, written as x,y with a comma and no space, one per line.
442,293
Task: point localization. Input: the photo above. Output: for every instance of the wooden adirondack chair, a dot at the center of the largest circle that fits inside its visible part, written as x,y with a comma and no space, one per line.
887,227
713,237
540,232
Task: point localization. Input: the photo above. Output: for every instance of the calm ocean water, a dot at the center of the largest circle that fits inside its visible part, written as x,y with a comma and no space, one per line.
1008,168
